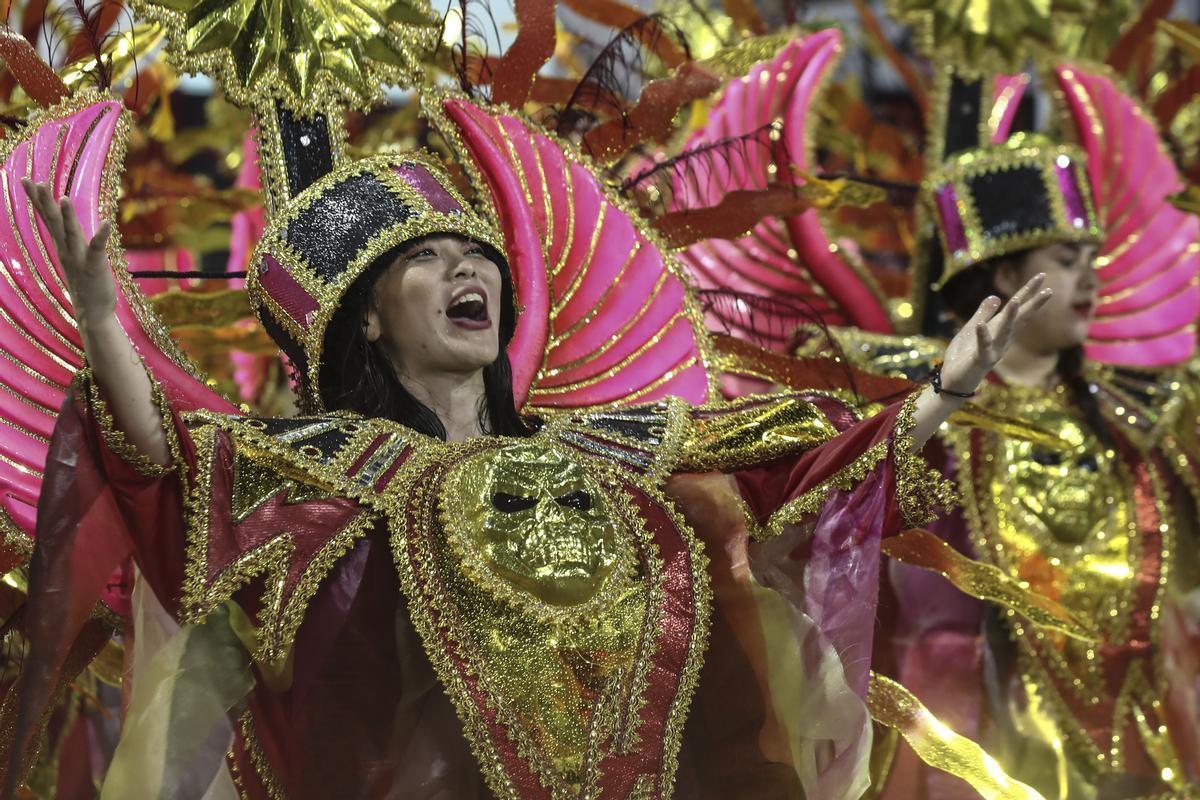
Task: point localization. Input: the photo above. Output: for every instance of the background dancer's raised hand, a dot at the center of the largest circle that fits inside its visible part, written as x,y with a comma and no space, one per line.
974,352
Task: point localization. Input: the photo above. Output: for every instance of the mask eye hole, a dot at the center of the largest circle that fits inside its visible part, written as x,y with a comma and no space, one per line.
578,500
512,503
1046,458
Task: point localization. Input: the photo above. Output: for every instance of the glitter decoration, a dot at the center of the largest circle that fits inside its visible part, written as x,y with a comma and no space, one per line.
309,55
972,195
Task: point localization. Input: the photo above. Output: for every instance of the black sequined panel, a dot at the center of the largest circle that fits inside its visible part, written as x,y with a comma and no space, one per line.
646,429
1012,201
317,437
963,114
327,443
330,232
307,151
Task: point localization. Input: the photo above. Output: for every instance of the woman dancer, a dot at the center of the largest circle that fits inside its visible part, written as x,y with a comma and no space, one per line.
364,597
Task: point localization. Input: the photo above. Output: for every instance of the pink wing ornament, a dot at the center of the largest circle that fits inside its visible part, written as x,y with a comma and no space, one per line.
791,259
77,146
606,317
1149,297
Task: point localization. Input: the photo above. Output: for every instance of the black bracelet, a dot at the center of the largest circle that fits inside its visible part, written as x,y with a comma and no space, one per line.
935,380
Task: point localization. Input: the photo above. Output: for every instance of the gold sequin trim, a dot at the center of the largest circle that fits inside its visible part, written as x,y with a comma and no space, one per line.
920,489
114,437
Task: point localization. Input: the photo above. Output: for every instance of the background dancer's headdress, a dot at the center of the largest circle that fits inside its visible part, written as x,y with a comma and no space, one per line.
990,193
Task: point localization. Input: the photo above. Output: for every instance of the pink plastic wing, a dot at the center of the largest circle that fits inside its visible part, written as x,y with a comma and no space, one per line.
78,148
1149,297
1007,91
790,259
606,318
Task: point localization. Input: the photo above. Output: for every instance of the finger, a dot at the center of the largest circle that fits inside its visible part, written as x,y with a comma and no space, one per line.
1008,321
986,310
1042,298
983,342
72,232
1031,287
99,241
42,199
1039,300
1031,307
48,210
34,193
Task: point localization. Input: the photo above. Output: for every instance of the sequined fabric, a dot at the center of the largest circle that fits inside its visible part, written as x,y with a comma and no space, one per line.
971,198
1092,525
310,54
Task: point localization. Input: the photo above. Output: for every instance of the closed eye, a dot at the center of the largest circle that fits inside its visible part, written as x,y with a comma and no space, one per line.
512,503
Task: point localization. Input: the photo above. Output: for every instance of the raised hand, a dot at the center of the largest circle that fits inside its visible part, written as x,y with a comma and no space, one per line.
974,352
89,279
981,343
116,367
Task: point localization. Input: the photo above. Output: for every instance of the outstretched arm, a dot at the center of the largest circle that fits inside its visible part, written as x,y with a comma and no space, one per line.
116,368
973,353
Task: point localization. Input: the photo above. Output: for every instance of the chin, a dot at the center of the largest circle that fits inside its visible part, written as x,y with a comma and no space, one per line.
1067,341
468,362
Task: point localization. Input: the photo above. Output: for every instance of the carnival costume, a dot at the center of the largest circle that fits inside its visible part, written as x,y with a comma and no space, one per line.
1104,521
332,605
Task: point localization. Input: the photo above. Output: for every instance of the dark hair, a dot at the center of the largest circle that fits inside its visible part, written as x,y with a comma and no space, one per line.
356,375
963,293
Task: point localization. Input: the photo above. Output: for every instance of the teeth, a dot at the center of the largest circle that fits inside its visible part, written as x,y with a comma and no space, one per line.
469,297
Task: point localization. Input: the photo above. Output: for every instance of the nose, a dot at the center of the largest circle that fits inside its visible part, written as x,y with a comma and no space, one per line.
464,268
549,512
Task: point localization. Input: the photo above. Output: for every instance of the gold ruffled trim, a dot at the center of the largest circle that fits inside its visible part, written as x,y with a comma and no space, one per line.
258,760
753,430
920,489
938,746
279,617
811,501
114,437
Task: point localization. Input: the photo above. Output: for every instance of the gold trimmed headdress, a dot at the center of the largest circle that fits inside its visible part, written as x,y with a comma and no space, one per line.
1026,192
327,236
989,193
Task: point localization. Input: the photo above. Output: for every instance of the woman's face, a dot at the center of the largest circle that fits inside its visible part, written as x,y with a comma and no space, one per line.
437,308
1070,273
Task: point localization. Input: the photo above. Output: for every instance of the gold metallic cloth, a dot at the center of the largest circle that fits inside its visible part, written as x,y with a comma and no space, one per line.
939,746
987,32
984,581
309,54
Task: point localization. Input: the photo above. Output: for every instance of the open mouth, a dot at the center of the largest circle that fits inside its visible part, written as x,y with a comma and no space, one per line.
468,309
1083,309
